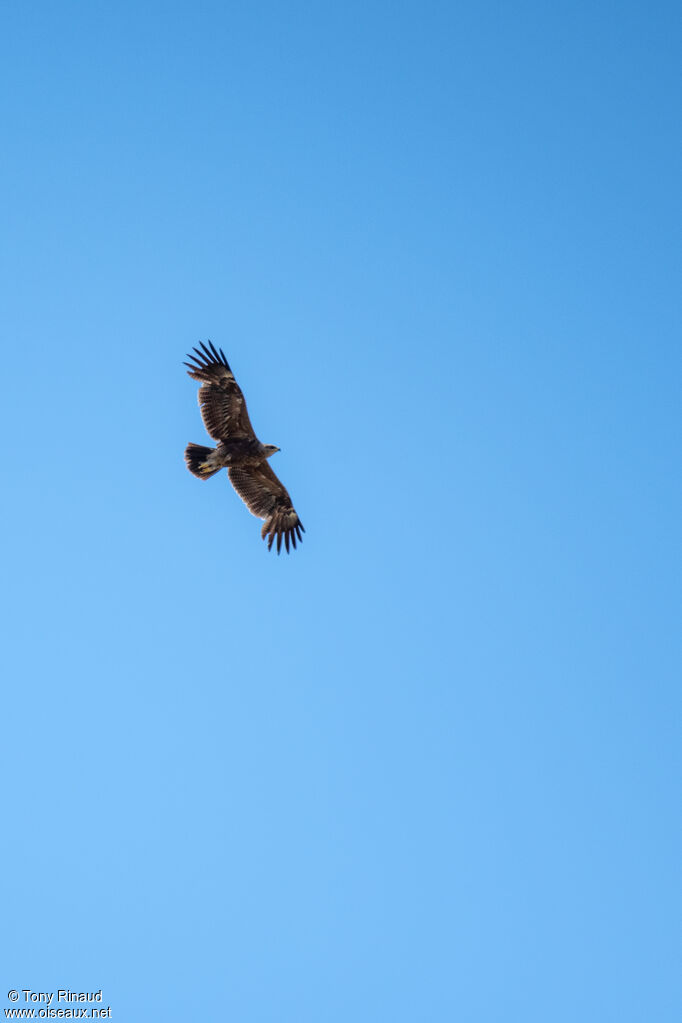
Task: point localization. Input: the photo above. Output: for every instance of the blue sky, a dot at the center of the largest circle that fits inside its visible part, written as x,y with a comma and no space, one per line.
428,766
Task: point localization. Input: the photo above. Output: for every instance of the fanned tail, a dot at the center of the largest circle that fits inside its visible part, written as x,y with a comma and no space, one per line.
200,462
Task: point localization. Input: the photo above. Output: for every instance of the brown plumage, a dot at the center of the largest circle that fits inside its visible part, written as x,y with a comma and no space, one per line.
226,419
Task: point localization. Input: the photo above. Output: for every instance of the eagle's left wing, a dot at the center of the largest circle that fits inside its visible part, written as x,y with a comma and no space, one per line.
266,497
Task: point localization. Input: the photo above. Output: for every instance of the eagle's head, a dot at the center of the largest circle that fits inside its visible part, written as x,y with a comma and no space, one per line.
270,450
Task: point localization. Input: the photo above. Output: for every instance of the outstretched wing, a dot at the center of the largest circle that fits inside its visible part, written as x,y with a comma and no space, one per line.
265,496
221,401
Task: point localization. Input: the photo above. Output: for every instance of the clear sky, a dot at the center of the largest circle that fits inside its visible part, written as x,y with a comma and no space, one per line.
428,766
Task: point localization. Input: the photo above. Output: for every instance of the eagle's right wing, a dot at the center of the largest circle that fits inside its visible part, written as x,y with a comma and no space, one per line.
221,401
266,497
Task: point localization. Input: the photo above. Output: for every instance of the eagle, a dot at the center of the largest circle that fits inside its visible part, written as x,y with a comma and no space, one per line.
226,419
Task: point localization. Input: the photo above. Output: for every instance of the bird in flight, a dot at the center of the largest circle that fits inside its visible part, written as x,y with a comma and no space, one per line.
223,410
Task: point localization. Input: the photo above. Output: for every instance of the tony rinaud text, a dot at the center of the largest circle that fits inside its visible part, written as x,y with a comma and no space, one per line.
63,995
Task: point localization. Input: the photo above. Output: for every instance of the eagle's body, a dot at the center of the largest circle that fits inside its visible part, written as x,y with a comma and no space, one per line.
226,419
240,451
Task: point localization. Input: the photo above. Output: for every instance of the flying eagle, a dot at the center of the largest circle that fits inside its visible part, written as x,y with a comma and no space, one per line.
223,410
